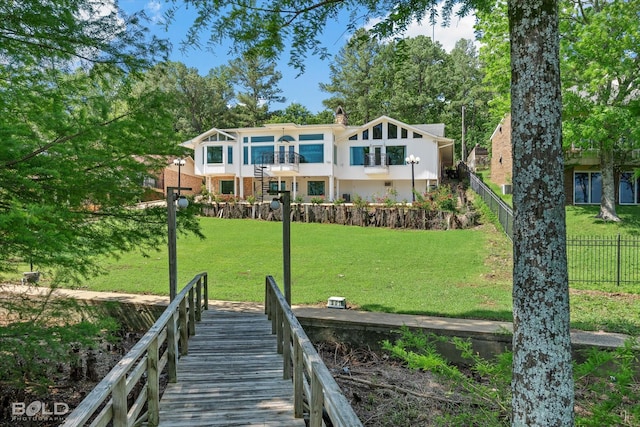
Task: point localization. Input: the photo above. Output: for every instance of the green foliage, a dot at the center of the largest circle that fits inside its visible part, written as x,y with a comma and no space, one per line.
486,383
610,385
359,201
317,200
80,133
52,334
439,199
607,381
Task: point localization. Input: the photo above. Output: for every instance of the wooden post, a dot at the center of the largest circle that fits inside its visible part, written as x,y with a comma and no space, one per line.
192,312
184,331
119,396
279,316
153,383
316,398
286,353
199,300
172,348
298,378
206,292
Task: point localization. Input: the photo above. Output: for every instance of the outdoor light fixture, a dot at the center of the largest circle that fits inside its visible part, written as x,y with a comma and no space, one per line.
413,160
285,199
179,163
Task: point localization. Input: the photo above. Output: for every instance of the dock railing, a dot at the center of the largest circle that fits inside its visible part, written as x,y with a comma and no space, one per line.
139,370
314,388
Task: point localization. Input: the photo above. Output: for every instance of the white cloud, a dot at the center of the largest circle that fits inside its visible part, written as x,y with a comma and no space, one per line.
154,10
459,28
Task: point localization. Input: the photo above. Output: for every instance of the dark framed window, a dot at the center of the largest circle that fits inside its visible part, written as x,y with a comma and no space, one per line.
377,131
230,155
315,188
226,187
396,154
311,153
392,131
357,155
311,137
214,154
260,155
587,187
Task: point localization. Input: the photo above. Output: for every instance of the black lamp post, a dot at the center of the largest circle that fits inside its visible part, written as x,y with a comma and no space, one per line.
413,160
181,202
285,199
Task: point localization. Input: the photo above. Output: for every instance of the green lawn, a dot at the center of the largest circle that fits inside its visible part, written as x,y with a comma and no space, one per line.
457,273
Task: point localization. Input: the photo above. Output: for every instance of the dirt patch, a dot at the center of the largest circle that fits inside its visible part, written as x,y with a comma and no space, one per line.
385,393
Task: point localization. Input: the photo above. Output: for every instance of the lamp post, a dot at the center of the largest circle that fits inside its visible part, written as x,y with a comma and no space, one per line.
182,202
413,160
285,199
179,162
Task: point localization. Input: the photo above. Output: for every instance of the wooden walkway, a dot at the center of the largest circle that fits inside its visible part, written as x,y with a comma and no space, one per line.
232,376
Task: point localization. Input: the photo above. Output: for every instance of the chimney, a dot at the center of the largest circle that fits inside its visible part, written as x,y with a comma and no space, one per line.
341,116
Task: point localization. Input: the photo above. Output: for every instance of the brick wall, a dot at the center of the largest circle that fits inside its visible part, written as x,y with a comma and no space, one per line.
186,180
501,157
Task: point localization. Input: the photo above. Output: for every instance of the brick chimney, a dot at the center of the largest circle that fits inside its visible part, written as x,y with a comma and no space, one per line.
341,116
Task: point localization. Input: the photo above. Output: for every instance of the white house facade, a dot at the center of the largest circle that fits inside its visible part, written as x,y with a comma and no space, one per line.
330,161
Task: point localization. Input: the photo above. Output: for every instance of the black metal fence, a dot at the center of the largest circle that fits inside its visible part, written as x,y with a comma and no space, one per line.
495,203
590,259
604,259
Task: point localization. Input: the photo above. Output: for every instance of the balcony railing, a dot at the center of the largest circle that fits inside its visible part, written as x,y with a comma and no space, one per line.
281,161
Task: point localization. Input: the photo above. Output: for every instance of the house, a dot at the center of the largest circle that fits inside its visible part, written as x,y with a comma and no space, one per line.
329,161
582,172
170,176
478,158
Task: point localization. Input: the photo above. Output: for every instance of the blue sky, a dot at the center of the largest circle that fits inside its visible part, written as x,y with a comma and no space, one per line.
302,89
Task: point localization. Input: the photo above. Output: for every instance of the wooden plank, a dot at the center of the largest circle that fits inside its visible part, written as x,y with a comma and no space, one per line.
232,376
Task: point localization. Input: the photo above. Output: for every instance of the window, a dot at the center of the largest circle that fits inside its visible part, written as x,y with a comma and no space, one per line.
396,154
357,155
262,138
214,154
353,137
365,134
226,187
404,133
230,155
335,154
392,131
377,131
417,135
315,188
273,186
587,187
262,155
629,189
245,155
312,137
311,153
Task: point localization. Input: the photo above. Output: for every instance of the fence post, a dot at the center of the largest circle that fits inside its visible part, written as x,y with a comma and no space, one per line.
119,396
172,348
192,312
184,328
316,400
619,261
153,381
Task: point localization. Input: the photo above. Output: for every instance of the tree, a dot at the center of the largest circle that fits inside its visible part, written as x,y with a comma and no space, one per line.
258,87
543,385
543,393
79,134
197,101
600,58
354,78
299,114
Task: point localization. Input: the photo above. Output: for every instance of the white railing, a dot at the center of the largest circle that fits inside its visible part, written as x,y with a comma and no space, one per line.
140,368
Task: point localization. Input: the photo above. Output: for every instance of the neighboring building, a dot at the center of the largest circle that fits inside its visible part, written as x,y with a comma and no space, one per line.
478,158
582,175
331,161
168,177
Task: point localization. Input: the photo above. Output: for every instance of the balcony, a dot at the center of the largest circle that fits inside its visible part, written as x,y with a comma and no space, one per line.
281,164
376,164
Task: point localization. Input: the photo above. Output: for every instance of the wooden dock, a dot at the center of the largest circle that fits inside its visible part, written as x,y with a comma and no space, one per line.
232,376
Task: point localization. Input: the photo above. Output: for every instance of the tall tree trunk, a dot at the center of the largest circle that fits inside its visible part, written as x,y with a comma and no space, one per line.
543,390
608,199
